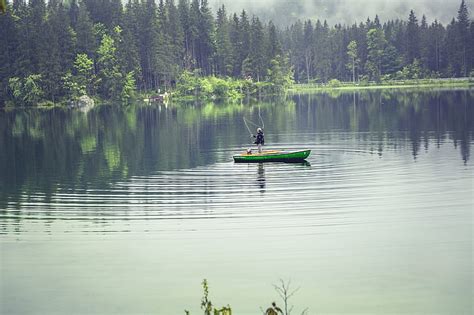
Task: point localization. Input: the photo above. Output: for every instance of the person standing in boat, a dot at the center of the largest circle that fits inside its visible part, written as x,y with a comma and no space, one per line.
259,139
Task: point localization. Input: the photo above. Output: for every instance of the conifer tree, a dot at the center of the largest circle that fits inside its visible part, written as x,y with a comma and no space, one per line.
128,54
223,44
206,39
308,49
412,39
461,62
85,39
8,51
257,50
234,37
243,40
184,19
176,33
273,42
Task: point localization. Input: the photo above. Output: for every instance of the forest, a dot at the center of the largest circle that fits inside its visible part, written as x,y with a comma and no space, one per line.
58,50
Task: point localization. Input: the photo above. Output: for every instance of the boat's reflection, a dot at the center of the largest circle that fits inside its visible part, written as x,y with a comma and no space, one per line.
261,180
261,177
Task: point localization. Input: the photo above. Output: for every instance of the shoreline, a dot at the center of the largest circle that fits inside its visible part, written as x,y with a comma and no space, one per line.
297,88
402,84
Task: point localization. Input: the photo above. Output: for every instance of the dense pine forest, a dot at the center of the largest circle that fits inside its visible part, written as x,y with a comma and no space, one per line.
57,50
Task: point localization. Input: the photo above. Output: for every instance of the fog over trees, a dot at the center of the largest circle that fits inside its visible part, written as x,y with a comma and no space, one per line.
286,12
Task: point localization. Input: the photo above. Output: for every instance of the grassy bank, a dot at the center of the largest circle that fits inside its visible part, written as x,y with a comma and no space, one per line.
393,84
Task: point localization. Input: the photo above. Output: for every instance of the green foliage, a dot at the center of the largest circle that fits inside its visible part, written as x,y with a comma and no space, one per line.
411,71
224,56
334,83
84,81
191,84
26,91
107,63
280,74
212,87
128,87
257,50
72,87
352,50
353,55
162,44
86,32
188,84
207,306
413,39
114,84
112,156
88,144
3,6
84,66
376,44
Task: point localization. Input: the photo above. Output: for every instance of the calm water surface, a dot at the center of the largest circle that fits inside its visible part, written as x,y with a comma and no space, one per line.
126,210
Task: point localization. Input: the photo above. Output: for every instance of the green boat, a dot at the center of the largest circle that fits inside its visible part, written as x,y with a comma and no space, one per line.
272,156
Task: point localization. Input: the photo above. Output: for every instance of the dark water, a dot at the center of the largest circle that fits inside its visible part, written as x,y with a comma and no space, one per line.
126,210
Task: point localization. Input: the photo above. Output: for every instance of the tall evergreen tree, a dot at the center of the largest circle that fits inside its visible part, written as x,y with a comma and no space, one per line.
424,42
184,18
434,48
461,63
85,38
452,67
164,55
128,53
323,52
206,39
308,48
60,49
223,44
73,12
257,50
148,44
8,51
296,49
243,40
412,39
470,52
176,33
194,29
107,12
234,36
273,42
36,38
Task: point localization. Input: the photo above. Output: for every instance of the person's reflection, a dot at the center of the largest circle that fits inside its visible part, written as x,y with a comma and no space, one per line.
261,177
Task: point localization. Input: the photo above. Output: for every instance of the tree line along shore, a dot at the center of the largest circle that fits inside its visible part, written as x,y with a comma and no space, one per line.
57,51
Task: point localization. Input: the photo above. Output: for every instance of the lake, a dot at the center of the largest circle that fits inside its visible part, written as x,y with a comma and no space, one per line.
124,210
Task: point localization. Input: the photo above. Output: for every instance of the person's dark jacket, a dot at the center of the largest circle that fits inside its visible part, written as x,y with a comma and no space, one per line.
259,138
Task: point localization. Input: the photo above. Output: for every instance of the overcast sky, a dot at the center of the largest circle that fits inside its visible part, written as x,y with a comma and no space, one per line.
345,11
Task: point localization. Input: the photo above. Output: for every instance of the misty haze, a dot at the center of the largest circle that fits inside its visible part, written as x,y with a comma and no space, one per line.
284,12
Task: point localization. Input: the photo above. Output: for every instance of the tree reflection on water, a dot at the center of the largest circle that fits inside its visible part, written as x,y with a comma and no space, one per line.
46,150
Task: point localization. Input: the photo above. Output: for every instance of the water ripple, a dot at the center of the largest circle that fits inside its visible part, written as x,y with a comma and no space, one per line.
339,185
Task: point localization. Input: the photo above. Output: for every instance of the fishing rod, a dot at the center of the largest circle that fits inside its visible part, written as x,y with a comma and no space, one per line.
261,119
246,121
246,125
